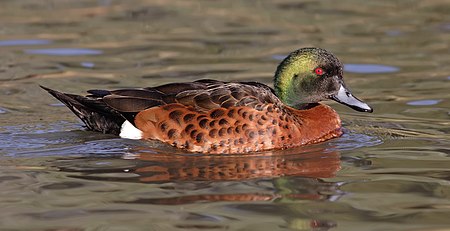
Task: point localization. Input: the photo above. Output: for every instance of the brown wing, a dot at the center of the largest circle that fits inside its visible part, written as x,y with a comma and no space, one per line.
202,95
217,94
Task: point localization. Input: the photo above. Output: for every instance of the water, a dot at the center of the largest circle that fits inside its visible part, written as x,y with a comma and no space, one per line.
390,171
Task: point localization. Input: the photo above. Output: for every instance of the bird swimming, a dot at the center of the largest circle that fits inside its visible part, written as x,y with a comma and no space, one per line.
216,117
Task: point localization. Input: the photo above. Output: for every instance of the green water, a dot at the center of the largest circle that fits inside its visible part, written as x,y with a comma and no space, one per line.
390,170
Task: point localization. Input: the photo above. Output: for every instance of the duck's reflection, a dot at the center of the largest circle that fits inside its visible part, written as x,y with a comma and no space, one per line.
293,177
311,163
285,180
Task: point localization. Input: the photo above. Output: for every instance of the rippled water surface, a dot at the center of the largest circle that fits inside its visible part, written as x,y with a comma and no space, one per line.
390,171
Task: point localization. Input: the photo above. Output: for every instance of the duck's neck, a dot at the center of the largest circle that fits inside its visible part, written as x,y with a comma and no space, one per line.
292,89
292,81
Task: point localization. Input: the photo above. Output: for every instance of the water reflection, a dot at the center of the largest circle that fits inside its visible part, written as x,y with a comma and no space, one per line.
199,171
426,102
288,176
165,168
24,42
64,51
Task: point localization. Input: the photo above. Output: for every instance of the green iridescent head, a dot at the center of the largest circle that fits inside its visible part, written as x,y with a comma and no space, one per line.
311,75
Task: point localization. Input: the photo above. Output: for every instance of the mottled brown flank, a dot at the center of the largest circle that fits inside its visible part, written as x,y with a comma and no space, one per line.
176,116
238,129
188,117
188,128
216,113
172,133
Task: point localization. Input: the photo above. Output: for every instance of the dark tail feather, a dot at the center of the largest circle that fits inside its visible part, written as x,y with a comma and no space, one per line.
93,112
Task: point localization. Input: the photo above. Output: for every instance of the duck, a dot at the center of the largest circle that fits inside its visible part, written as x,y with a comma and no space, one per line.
218,117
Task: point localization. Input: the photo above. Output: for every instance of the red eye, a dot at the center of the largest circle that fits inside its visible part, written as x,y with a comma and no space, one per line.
319,71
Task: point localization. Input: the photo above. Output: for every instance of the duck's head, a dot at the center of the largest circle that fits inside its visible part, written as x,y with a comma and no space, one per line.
311,75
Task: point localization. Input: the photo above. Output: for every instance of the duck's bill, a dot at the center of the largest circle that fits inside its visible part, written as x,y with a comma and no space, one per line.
345,97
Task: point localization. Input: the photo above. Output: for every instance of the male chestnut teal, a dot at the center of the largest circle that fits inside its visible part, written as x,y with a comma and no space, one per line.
210,116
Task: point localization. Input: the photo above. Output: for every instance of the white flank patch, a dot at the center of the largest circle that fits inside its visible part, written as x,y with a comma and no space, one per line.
128,131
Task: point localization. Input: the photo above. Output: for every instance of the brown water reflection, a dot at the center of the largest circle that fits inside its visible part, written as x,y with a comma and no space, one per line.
280,177
307,167
163,168
170,168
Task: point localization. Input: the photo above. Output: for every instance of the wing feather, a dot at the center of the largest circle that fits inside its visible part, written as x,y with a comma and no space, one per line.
202,95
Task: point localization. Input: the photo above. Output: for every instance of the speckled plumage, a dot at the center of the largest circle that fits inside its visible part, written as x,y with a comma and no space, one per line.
211,116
